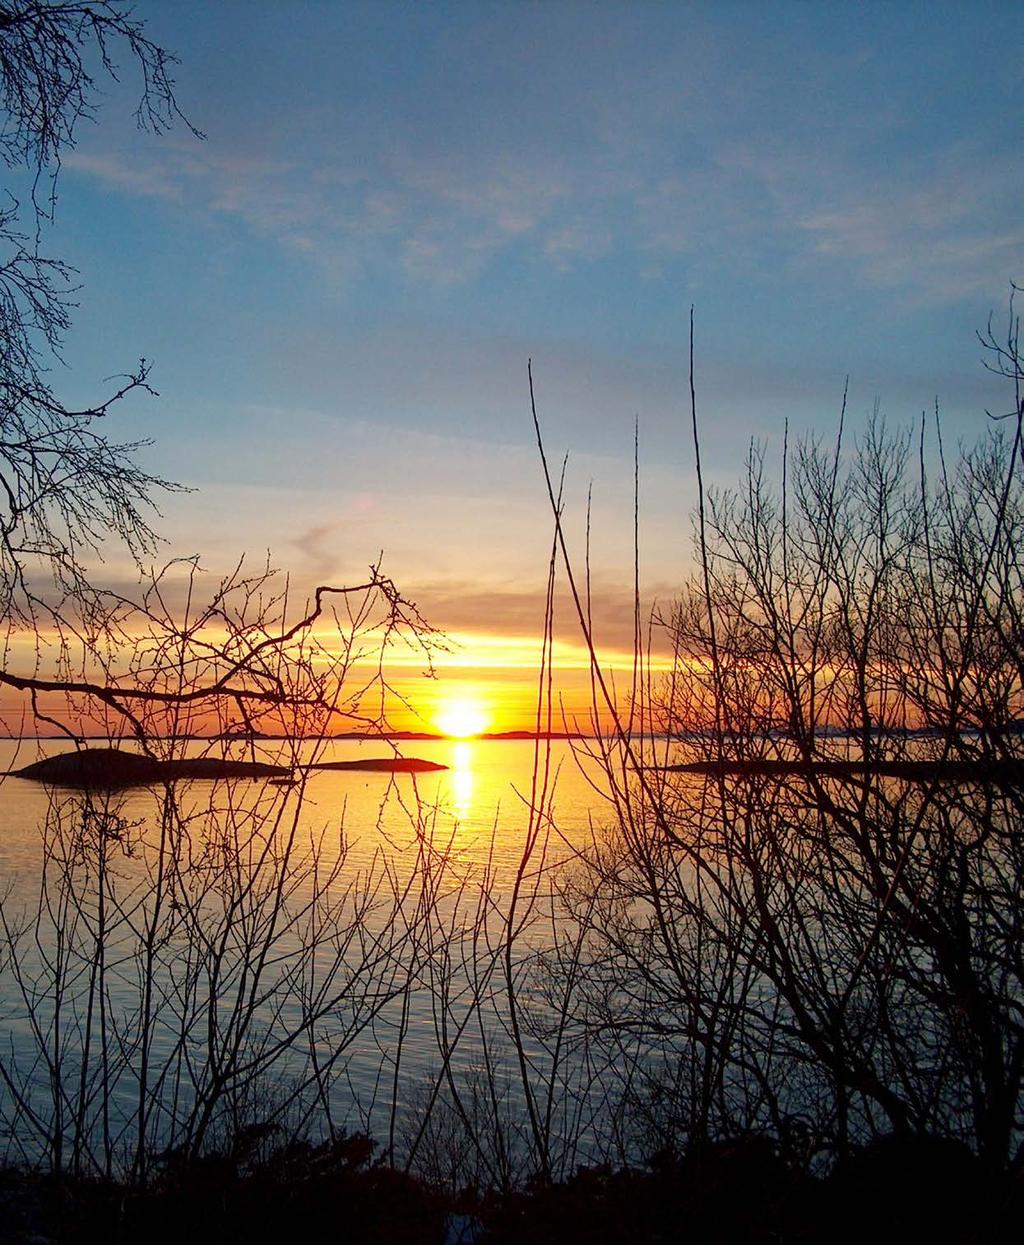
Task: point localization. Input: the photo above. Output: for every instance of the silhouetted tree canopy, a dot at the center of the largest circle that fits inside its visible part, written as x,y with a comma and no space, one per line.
68,489
65,486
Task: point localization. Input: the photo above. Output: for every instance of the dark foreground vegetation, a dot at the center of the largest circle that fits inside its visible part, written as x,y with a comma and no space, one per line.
748,1190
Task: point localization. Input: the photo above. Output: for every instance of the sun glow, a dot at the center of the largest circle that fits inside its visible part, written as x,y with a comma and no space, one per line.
462,718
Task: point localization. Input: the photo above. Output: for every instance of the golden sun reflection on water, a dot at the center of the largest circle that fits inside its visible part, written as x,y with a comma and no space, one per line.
462,780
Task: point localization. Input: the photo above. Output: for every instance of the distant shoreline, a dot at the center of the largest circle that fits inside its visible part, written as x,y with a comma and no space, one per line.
345,737
1006,773
825,733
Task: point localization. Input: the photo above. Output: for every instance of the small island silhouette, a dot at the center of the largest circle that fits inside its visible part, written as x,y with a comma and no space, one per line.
111,768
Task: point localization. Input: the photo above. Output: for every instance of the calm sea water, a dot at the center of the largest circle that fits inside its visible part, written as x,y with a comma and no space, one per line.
366,949
483,798
475,817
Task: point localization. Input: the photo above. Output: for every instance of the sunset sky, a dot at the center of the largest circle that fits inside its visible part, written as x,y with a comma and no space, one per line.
396,205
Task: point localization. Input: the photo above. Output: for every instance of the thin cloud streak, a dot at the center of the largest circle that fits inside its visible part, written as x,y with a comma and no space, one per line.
929,230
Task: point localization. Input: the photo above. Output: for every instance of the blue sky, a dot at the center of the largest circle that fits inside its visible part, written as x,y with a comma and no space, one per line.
397,204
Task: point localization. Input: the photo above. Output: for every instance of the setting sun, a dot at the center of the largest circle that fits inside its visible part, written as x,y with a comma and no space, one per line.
462,719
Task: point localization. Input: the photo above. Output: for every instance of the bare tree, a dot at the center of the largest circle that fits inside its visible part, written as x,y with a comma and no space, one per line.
65,487
168,966
806,918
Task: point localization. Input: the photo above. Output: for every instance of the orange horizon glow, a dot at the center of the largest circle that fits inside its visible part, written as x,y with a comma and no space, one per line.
485,682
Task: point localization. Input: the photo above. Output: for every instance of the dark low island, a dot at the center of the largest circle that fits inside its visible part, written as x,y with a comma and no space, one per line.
110,768
389,765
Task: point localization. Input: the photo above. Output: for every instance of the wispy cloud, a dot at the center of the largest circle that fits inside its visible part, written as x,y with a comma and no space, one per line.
441,218
930,229
723,149
509,609
151,179
319,546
